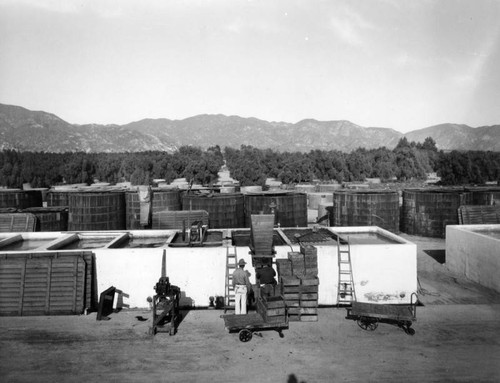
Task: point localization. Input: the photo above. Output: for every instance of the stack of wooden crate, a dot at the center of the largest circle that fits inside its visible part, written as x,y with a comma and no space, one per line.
272,309
300,288
284,267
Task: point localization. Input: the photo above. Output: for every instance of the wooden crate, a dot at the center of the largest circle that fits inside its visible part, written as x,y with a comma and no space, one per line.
272,309
284,267
309,250
309,281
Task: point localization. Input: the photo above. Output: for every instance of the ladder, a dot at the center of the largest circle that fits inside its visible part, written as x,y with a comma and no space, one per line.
345,291
231,265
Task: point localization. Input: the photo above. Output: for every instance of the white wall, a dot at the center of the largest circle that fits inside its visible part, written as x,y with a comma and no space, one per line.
474,255
382,272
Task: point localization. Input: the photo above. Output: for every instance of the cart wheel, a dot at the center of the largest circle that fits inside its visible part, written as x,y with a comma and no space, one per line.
367,324
409,330
245,335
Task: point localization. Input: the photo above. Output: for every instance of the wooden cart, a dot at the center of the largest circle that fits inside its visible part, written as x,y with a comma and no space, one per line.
247,324
369,315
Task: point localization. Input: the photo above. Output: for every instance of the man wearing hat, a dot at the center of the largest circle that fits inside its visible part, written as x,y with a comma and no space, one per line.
241,285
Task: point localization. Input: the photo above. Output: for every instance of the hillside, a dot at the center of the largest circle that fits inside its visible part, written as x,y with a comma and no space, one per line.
23,129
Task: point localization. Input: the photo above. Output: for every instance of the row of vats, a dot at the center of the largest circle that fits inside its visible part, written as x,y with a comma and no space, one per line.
424,212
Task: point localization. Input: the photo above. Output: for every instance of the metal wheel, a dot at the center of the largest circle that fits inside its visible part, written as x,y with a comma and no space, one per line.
409,330
367,324
245,335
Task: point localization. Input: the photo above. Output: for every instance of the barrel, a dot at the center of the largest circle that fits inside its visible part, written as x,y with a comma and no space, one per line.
58,197
290,208
161,200
427,212
366,208
50,218
225,210
96,211
485,195
20,199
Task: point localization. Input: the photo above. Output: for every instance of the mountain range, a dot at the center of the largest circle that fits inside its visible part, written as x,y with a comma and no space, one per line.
26,130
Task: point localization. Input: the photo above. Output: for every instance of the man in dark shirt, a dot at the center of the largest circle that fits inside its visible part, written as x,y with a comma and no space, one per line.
265,278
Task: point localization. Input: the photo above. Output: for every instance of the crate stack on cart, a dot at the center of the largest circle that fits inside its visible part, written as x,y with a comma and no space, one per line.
299,283
272,309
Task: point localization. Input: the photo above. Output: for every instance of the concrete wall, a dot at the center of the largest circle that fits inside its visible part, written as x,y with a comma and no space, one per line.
474,254
385,273
382,273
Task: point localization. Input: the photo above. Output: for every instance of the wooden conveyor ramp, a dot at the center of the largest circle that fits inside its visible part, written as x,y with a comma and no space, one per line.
261,239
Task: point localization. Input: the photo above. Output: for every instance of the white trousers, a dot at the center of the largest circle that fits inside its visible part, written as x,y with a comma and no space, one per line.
240,300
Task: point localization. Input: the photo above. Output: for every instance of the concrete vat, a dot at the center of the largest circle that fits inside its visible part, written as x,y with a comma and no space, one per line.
384,265
474,251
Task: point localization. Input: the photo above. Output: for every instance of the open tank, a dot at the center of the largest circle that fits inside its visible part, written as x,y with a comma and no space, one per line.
207,238
242,238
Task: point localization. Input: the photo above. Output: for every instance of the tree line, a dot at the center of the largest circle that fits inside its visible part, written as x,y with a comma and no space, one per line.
250,165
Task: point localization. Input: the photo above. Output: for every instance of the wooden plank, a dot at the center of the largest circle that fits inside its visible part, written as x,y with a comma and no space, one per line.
290,281
309,281
47,298
308,296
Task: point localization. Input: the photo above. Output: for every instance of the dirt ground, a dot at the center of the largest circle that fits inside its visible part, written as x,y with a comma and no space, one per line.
456,340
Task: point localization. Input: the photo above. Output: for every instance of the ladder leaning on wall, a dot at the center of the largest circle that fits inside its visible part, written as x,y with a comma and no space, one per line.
345,291
231,265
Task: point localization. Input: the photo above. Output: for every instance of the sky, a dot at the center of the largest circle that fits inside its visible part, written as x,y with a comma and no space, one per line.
400,64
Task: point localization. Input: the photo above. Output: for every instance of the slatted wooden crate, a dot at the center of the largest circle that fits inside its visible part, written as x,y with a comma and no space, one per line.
17,222
478,214
272,309
290,290
47,284
305,308
178,219
284,267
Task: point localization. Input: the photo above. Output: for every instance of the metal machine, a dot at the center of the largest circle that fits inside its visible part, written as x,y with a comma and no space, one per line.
165,304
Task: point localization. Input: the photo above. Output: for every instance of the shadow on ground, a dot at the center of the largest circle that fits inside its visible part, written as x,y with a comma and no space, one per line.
439,255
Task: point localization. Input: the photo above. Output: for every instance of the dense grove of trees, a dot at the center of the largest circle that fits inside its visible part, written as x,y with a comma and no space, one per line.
407,161
251,166
48,169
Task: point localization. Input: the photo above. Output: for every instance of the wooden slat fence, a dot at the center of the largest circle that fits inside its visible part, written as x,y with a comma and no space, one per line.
479,214
47,284
17,222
